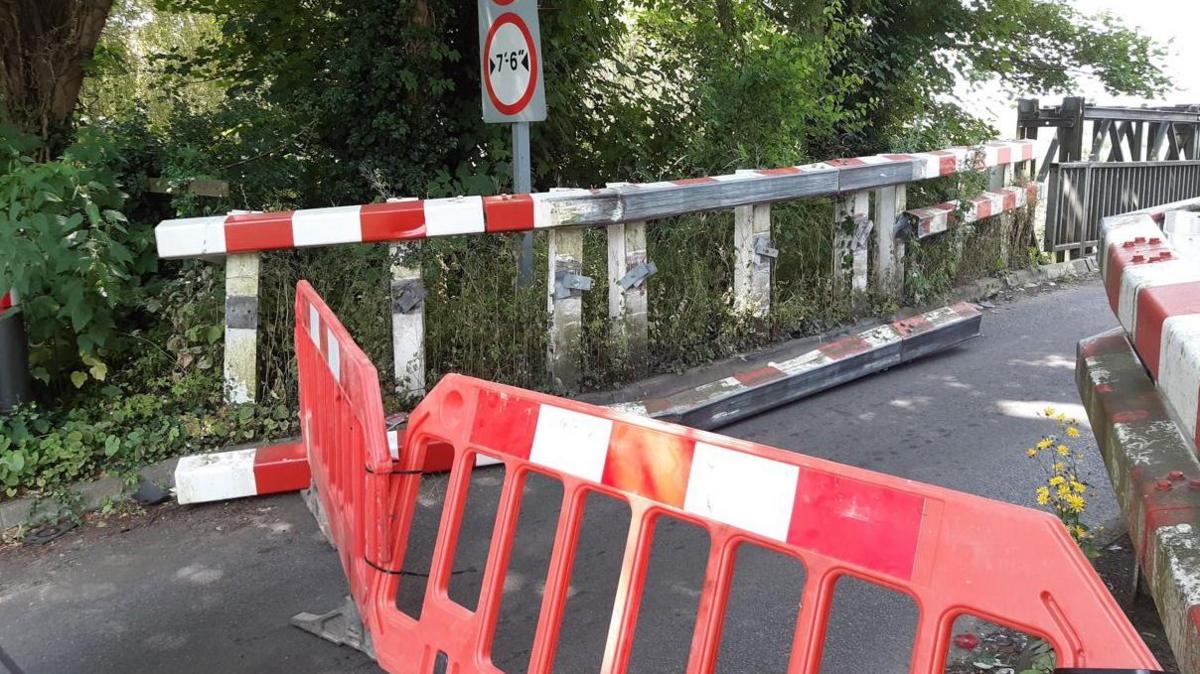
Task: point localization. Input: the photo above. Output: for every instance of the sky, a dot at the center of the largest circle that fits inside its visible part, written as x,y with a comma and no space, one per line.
1171,22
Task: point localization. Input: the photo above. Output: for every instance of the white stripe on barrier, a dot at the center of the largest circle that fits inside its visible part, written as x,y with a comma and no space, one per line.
393,440
456,215
881,336
188,237
571,442
215,477
1179,369
803,363
334,354
325,226
314,326
742,490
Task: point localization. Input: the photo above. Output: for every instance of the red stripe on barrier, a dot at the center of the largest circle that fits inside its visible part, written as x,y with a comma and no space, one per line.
781,171
503,421
393,221
845,347
1010,200
860,523
703,180
759,376
648,462
850,161
912,326
983,208
947,162
248,232
1026,151
6,302
1155,305
508,213
899,157
281,468
1004,155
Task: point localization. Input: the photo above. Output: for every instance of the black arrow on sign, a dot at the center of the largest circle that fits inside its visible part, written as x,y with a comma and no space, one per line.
525,61
491,65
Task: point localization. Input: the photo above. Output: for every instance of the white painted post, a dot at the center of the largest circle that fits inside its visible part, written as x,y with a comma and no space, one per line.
408,320
241,327
565,305
890,203
996,181
850,242
752,262
627,306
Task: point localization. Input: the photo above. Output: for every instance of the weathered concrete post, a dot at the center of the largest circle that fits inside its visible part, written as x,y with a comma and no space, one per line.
753,256
564,301
890,203
852,228
241,327
628,272
408,320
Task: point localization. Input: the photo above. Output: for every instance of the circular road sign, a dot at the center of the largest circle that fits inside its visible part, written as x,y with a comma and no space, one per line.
509,64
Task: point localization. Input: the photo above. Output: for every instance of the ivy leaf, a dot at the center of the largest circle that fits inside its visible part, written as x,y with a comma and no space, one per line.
78,379
112,444
99,370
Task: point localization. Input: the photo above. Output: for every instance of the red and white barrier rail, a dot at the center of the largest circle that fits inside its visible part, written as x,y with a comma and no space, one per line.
419,219
7,301
1155,293
256,471
936,219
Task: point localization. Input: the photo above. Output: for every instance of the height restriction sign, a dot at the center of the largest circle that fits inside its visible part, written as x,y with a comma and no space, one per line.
511,50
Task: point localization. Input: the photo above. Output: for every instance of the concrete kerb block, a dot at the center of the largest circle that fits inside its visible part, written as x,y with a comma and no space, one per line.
1156,478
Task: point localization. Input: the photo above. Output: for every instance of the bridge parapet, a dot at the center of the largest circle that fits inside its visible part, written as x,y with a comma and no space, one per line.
1140,384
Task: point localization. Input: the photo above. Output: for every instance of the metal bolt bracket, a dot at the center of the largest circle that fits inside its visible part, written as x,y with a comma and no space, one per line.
570,284
762,247
638,274
407,296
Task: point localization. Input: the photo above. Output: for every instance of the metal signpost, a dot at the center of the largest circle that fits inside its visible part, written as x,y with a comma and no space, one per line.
510,45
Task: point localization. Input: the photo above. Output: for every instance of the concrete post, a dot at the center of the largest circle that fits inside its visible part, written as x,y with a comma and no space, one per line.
408,321
852,227
241,327
627,305
753,256
564,302
890,203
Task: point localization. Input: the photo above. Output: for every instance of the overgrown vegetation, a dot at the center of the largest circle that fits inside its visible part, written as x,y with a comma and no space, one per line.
336,101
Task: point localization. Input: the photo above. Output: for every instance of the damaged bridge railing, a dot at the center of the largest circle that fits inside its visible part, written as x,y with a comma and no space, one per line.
870,197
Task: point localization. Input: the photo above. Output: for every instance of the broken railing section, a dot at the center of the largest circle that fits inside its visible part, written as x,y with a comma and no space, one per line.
845,359
867,191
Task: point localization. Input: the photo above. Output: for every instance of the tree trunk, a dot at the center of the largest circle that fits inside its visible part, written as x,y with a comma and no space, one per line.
44,47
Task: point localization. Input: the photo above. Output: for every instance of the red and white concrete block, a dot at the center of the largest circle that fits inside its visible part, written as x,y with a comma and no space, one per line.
8,300
1155,293
936,219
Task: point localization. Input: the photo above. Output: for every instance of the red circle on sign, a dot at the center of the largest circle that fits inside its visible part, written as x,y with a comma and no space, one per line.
517,107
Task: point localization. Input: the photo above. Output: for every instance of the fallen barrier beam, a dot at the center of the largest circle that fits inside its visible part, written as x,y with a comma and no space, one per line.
745,394
233,474
952,553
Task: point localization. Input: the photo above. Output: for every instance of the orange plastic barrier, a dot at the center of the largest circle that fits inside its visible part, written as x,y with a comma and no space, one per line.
951,553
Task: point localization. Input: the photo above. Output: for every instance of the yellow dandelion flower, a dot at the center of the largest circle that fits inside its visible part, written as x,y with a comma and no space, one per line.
1057,480
1044,443
1080,532
1075,502
1049,411
1043,495
1072,432
1063,491
1058,467
1064,450
1060,417
1079,487
1031,452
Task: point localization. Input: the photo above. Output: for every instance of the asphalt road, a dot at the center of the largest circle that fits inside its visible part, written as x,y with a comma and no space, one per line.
210,588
